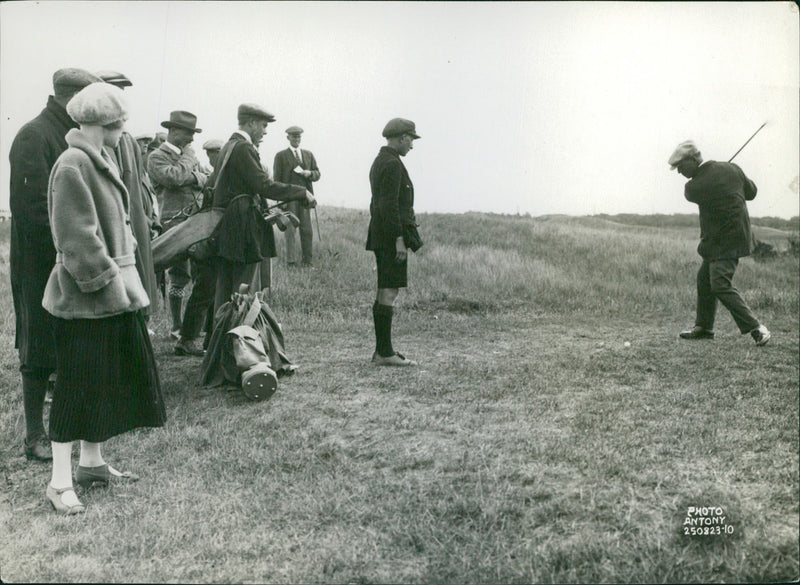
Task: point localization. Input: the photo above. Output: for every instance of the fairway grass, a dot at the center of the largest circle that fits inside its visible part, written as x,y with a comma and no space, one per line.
531,445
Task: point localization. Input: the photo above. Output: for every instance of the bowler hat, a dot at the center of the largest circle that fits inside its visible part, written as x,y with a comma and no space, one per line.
72,77
398,126
294,130
181,119
115,78
254,111
685,150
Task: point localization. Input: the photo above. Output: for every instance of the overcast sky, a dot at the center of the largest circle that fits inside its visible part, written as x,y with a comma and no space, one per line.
523,107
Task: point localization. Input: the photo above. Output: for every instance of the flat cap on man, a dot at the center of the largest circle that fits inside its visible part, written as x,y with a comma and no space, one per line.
254,111
212,144
182,119
684,150
294,130
144,137
72,77
115,78
399,126
98,104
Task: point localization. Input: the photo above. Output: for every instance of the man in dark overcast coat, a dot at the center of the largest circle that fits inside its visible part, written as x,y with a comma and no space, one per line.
32,254
244,248
721,191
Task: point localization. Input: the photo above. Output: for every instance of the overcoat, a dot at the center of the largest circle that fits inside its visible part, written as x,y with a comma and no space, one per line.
392,206
241,173
143,215
721,191
34,151
95,274
285,162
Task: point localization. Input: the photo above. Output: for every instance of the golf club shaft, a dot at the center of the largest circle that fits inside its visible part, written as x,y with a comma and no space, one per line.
748,140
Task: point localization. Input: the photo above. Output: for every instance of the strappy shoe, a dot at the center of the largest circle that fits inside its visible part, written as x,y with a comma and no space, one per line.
55,499
87,477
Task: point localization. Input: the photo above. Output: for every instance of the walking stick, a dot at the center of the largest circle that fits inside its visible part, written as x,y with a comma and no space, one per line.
316,220
748,140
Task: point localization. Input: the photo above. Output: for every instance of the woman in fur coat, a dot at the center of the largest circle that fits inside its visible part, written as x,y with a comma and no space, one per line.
107,381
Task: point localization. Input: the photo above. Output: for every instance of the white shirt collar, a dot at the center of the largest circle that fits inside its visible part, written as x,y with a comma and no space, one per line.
245,134
173,148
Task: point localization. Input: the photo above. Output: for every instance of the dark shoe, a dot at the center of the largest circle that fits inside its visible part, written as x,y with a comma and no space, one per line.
86,477
761,335
188,347
697,332
54,496
38,449
397,359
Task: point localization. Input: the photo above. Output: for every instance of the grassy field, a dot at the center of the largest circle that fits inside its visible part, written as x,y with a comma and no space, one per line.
531,445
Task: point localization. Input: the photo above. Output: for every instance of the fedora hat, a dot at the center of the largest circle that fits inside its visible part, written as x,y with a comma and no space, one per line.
181,119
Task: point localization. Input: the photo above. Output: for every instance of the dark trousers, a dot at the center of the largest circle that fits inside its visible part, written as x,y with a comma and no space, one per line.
204,283
306,233
230,275
715,283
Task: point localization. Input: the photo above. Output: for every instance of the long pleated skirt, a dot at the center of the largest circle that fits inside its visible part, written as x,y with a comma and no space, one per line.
107,382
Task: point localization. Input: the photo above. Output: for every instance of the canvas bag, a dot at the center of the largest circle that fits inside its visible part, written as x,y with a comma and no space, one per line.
259,381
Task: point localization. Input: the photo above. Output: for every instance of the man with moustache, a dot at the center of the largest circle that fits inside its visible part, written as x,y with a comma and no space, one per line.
179,181
297,166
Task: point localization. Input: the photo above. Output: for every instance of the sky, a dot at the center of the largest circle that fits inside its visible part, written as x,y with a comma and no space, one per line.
523,107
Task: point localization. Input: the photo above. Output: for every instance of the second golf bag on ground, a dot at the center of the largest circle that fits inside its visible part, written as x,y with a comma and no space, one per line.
246,347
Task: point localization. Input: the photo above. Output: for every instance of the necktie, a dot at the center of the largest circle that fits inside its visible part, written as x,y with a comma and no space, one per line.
298,157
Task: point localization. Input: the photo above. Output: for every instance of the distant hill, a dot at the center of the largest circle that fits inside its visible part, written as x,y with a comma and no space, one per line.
692,220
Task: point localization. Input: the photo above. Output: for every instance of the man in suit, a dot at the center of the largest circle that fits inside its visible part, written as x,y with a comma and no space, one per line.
391,216
721,191
244,247
296,166
32,254
179,181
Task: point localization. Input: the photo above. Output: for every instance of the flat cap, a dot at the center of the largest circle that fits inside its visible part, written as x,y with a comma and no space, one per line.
398,126
143,137
683,151
212,144
254,111
114,78
98,104
294,130
73,77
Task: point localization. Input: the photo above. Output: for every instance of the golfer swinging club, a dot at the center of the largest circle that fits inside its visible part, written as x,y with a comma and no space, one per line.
721,191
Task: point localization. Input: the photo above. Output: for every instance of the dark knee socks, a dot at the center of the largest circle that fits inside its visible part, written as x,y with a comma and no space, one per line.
382,317
34,389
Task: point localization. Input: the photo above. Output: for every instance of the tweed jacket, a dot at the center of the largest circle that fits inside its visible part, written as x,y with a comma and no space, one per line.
34,151
285,162
392,205
721,191
178,180
95,274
